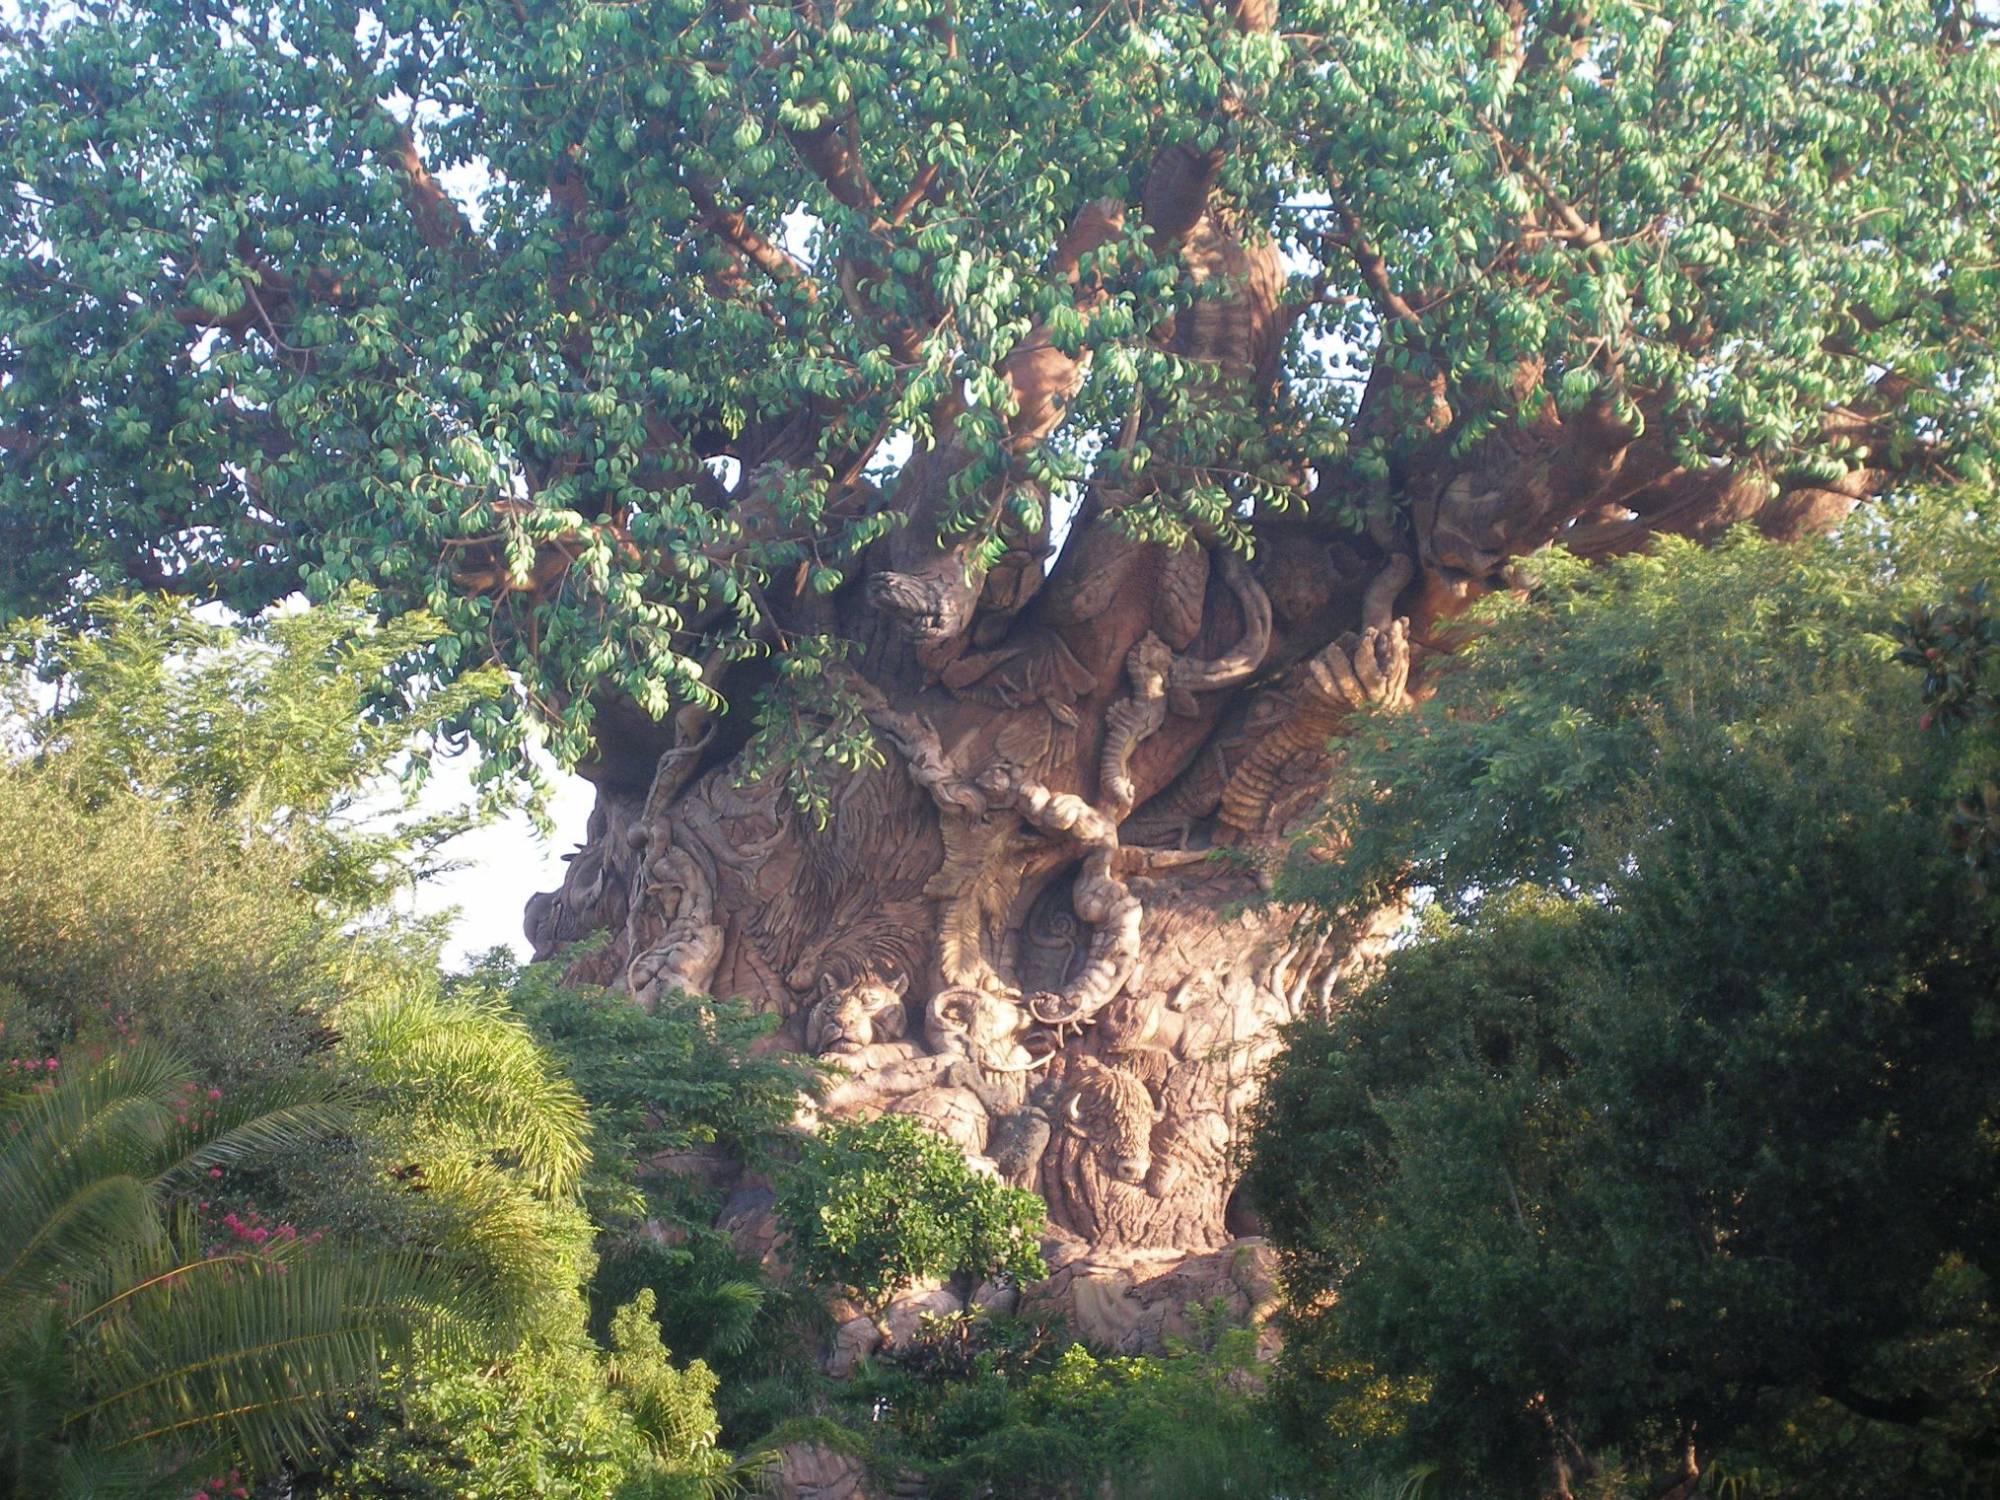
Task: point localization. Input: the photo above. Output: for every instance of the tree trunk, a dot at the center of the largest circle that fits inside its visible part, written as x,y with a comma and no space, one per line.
1036,924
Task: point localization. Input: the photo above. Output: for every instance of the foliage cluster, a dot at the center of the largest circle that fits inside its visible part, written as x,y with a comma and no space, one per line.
253,342
141,1345
278,1156
1665,1148
986,1404
877,1206
1052,1419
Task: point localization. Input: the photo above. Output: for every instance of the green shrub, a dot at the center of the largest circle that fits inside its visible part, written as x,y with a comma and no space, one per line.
878,1206
1669,1138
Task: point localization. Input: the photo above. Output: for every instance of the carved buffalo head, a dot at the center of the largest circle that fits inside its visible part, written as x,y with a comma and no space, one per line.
1110,1108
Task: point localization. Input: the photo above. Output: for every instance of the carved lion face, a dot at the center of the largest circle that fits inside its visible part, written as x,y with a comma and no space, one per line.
847,1018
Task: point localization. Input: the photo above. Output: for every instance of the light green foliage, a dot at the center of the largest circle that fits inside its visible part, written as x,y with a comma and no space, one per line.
556,1418
673,1407
136,1349
880,1205
485,1139
1673,1125
251,346
146,901
285,732
122,919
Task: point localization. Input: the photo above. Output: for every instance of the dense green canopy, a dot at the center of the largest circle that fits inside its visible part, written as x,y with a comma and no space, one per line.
1665,1148
591,326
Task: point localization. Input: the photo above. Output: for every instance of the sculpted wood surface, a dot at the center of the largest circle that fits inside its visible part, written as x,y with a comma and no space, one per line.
1036,926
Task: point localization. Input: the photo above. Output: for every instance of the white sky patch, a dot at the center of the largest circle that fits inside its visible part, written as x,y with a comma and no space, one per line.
500,865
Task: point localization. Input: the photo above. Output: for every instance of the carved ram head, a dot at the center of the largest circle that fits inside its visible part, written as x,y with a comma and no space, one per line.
993,1031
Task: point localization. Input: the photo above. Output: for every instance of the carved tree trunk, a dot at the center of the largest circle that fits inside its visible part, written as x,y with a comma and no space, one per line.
1018,927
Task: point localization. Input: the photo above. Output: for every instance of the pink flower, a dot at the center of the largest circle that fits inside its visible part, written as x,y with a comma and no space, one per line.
215,1093
215,1171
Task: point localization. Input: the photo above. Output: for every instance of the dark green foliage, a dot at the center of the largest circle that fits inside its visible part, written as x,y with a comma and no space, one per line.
679,1080
679,1097
253,342
1673,1127
985,1406
1952,643
877,1206
1561,702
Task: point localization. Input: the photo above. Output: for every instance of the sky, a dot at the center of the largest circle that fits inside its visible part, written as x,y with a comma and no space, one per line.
501,864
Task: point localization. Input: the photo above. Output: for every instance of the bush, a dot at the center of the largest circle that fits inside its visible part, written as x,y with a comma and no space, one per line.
1668,1140
879,1206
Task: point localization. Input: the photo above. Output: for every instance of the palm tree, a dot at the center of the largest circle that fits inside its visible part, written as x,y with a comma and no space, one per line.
132,1358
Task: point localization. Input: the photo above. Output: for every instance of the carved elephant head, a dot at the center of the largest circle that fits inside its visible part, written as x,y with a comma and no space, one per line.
849,1017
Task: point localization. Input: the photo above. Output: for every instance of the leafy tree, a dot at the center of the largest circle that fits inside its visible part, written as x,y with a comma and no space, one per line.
700,353
285,732
877,1206
136,1349
167,828
1666,1142
683,1078
121,919
265,329
560,1418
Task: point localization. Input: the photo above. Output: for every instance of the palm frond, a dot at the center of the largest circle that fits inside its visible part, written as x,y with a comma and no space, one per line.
471,1068
262,1124
256,1351
499,1240
74,1163
126,1354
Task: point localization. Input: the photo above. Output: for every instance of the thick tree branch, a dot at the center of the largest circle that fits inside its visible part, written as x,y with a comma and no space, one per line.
441,223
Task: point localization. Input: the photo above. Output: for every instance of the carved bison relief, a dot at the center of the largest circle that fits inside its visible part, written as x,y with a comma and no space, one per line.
1109,1109
1116,1173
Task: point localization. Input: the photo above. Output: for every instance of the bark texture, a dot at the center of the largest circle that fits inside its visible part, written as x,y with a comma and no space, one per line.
1023,927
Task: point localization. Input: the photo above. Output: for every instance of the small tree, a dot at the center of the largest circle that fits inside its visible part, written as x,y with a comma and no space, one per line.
878,1206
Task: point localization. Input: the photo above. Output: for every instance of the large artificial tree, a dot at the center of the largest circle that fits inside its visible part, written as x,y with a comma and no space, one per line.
944,469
